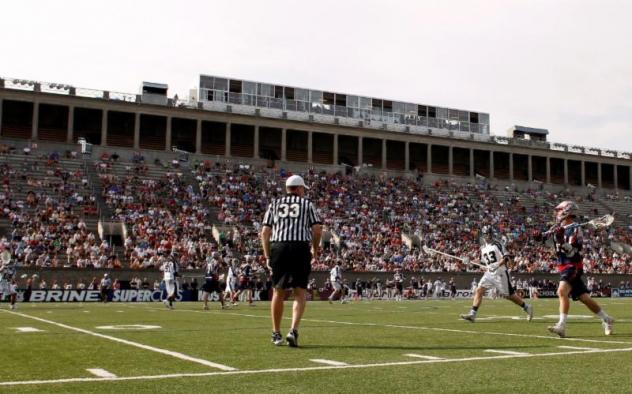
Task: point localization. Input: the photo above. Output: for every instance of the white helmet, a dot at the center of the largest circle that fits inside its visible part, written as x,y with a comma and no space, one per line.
565,209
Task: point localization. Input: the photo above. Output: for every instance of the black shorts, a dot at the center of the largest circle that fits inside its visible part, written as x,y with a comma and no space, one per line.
573,277
211,285
399,287
245,285
291,264
510,287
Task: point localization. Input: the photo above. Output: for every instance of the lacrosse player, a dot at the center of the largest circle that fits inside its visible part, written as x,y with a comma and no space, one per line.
567,239
496,257
335,276
231,291
8,285
211,282
170,275
398,280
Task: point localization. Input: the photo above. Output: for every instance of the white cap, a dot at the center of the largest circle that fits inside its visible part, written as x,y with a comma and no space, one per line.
295,180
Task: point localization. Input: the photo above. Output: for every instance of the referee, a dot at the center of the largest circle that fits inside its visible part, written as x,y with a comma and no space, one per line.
290,238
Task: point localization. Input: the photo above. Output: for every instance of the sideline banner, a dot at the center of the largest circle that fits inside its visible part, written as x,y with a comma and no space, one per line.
117,296
617,292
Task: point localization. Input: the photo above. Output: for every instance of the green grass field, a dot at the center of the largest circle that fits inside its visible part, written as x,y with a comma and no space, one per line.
362,347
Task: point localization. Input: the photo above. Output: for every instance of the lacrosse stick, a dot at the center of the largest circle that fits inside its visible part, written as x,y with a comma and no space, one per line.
596,223
465,260
600,222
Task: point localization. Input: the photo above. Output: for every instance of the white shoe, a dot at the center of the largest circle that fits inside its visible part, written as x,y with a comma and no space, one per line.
13,308
558,329
166,303
607,325
469,317
529,312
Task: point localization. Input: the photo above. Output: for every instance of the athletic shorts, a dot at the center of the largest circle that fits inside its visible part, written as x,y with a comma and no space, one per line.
573,277
171,286
291,264
231,286
336,286
245,285
399,287
210,286
499,281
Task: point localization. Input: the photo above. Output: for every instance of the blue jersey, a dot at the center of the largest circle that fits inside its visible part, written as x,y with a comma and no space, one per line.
568,244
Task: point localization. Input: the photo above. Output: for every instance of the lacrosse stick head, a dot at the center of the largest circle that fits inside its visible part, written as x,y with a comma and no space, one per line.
466,260
425,249
5,257
602,222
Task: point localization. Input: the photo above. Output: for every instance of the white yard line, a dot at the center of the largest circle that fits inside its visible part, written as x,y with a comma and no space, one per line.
27,329
506,352
130,343
579,348
422,356
102,373
307,369
328,362
550,337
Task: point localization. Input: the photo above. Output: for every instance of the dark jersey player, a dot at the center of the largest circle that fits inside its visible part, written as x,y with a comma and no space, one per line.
567,238
211,282
245,282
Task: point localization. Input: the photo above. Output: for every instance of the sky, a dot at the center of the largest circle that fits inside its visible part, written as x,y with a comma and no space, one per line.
561,65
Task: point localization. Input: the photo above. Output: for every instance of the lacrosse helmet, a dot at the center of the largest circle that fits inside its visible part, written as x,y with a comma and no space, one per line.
487,233
565,209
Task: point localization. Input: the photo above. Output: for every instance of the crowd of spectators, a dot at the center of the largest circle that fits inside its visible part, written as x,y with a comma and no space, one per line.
44,205
169,212
367,214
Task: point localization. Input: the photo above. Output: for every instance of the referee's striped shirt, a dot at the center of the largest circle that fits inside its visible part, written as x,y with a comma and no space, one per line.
291,218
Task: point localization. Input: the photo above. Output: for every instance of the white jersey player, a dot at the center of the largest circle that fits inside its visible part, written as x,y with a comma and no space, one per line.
398,280
335,277
170,275
8,286
231,282
495,256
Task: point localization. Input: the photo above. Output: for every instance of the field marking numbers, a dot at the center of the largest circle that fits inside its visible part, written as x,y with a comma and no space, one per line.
328,362
102,373
130,343
305,369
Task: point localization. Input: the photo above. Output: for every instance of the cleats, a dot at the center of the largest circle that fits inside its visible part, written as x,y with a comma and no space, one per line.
529,312
469,317
607,325
277,339
292,338
558,329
